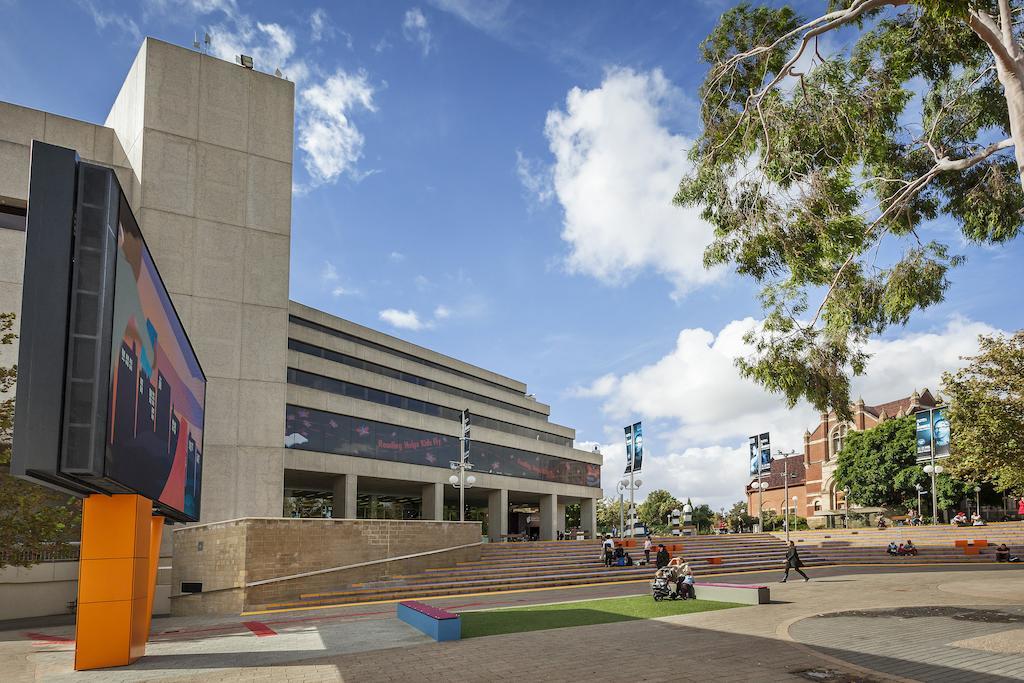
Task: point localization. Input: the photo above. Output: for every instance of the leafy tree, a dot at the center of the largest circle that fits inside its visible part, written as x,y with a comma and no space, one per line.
737,517
987,414
656,508
34,521
820,175
608,514
703,517
879,466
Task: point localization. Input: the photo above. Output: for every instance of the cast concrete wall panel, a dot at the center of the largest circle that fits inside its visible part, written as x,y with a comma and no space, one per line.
12,265
171,238
220,473
223,104
221,185
21,124
169,173
308,398
14,166
126,114
219,258
269,195
216,332
222,418
271,124
261,413
103,146
266,270
260,469
264,344
171,89
70,133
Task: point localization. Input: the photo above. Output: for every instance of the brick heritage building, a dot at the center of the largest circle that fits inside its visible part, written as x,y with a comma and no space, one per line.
822,445
773,499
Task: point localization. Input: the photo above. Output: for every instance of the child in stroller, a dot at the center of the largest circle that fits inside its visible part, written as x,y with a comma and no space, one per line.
673,582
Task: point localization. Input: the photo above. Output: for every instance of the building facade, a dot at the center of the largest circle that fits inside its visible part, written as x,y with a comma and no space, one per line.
299,402
825,503
778,497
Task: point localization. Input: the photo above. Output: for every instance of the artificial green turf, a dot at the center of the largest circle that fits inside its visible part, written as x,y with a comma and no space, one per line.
540,617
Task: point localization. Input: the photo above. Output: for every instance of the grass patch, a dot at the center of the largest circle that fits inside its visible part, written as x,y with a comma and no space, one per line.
541,617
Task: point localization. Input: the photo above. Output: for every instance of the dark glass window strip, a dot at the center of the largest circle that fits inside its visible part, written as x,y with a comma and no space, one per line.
12,217
342,388
351,361
317,430
394,352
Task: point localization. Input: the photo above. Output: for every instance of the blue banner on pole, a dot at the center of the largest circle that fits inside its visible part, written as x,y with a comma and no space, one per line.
629,448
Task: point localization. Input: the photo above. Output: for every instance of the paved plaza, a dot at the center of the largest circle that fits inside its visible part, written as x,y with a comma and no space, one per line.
909,624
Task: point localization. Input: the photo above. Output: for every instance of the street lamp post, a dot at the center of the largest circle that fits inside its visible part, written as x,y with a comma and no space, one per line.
920,491
761,486
934,470
846,500
630,485
977,499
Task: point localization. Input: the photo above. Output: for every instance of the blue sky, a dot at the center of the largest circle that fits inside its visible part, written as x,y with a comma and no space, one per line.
493,181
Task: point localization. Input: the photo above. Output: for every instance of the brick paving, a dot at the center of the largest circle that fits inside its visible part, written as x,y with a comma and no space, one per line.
773,642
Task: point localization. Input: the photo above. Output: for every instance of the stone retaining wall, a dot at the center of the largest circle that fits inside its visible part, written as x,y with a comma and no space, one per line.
225,556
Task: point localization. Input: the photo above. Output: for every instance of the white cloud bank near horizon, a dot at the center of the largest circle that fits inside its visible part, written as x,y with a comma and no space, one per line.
698,411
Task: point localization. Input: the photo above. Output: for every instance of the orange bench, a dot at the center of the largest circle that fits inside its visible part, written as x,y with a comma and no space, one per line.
714,560
972,550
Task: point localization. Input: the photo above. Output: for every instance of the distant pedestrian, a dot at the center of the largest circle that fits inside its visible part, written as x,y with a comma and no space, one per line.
608,546
793,561
647,549
1020,507
662,558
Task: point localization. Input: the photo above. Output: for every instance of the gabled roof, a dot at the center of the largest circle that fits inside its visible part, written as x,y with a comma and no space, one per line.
903,405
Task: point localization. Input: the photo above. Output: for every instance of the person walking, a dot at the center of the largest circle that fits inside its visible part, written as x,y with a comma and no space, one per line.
647,549
793,561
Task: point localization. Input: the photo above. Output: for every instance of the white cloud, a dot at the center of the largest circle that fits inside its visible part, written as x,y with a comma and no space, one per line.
442,312
488,15
536,178
405,320
104,19
699,411
329,273
416,29
617,167
330,279
331,141
396,256
381,45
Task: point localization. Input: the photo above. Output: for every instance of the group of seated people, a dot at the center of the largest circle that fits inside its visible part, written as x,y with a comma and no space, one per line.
615,554
960,519
899,550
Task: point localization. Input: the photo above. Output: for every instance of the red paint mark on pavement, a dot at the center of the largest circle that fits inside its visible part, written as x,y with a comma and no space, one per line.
259,628
46,638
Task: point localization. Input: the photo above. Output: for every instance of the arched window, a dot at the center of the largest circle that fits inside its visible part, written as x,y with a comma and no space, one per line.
836,440
817,506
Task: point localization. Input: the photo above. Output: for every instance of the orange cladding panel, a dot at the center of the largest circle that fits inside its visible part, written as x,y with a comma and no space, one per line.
116,580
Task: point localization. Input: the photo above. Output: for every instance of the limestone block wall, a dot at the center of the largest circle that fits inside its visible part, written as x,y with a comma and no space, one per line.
224,556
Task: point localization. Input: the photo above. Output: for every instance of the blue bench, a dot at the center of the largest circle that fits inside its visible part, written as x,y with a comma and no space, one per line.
437,623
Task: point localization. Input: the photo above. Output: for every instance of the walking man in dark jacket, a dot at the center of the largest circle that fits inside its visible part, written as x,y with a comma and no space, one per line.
662,558
793,562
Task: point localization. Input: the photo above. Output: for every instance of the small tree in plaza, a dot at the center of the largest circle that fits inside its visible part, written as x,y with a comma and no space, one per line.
656,508
879,466
819,172
737,517
34,521
987,414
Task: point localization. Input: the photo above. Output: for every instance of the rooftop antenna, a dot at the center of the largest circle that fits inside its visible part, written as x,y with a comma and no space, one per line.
195,40
277,72
208,41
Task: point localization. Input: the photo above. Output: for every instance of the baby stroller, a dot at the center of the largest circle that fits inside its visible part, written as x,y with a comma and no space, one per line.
667,580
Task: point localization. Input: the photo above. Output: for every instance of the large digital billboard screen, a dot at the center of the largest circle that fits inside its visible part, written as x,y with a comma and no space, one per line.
157,388
111,396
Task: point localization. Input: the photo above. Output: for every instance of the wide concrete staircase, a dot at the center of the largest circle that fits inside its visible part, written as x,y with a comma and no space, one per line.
935,544
524,566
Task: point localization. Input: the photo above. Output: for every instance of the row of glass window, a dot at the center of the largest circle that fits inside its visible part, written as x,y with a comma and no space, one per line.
393,352
343,388
353,362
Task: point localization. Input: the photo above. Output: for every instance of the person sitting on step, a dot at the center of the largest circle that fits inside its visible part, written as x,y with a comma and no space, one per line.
892,550
1003,554
908,548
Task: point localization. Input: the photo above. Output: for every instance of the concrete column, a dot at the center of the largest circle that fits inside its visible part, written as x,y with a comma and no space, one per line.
345,496
497,514
548,513
588,516
560,518
433,502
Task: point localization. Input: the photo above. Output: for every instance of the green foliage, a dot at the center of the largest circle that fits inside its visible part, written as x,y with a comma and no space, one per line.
737,517
825,189
879,466
656,508
987,414
34,521
608,514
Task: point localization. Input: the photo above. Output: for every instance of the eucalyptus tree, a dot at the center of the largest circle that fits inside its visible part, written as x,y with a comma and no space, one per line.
821,169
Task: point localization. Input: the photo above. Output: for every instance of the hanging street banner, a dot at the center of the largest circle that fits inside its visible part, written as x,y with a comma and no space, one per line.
760,454
932,434
634,447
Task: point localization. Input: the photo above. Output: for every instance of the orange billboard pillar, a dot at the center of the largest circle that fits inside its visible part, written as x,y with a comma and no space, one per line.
116,580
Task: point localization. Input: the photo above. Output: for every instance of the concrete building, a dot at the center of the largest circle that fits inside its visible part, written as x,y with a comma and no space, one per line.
203,151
